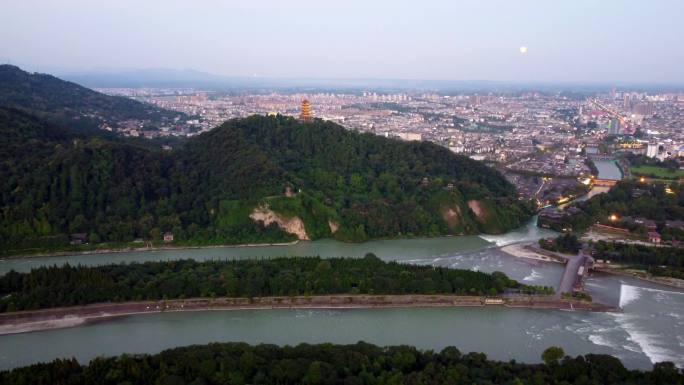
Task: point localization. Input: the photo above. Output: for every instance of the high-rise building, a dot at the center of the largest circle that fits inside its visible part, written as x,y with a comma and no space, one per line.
305,114
652,150
645,109
614,127
627,102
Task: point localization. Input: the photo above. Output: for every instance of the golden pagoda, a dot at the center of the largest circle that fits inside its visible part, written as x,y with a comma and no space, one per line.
305,115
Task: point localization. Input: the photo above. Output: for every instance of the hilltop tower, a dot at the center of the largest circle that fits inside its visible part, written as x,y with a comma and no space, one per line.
305,114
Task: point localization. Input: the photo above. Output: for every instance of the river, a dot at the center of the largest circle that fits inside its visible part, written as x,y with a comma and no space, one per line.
608,169
465,252
650,329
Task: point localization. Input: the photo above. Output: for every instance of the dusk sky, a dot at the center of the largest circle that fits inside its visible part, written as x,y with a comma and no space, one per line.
568,41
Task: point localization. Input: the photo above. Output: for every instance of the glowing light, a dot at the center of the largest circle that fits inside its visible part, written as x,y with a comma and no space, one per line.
523,50
642,179
613,218
563,200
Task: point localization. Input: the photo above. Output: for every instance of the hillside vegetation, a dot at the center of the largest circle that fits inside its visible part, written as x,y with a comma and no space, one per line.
345,185
70,104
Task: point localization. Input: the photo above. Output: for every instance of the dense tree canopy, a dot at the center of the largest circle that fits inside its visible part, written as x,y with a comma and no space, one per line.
564,243
362,363
552,355
663,261
58,183
67,285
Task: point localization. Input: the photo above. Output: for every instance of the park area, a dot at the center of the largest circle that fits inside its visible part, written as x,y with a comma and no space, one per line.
657,172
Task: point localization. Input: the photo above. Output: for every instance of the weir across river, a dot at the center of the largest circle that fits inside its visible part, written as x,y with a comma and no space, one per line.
576,268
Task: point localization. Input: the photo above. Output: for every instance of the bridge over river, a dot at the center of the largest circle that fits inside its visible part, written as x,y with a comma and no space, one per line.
604,182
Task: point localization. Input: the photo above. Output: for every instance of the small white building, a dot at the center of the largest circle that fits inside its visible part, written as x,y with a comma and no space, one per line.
168,237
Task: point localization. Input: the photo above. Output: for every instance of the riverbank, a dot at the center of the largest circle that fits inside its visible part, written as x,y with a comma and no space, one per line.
143,249
641,275
529,251
35,320
132,247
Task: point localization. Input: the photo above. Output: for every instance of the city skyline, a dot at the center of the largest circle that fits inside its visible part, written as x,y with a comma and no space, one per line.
578,42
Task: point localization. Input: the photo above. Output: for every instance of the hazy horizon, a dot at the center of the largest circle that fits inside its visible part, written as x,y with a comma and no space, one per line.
632,42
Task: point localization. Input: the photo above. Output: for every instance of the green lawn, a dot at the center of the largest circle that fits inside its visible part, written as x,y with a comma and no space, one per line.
658,172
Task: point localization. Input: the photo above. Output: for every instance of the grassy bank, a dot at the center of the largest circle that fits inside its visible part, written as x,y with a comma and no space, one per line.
657,172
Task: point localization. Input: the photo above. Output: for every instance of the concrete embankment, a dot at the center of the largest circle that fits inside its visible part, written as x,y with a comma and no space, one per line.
27,321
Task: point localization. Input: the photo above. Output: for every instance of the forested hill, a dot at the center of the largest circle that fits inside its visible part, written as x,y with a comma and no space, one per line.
344,184
310,151
70,104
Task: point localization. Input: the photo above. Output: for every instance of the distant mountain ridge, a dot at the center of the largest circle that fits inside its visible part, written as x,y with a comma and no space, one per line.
163,77
150,77
70,104
189,78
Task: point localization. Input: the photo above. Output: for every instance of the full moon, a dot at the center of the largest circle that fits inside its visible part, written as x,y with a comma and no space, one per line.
523,50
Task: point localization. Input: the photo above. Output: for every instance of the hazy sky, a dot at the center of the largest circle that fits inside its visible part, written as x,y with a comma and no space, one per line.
568,40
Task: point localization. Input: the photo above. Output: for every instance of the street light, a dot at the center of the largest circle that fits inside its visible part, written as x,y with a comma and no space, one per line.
613,217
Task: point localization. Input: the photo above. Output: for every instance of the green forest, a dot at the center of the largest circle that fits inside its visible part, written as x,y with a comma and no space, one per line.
67,285
58,182
358,364
69,104
661,261
564,243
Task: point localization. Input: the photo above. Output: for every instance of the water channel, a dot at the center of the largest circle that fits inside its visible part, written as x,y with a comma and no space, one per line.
608,169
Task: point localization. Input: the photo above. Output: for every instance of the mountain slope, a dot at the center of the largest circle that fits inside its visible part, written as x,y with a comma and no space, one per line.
226,186
69,104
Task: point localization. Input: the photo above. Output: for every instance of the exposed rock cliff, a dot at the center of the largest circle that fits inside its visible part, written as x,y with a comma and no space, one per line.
452,216
478,210
292,225
334,226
